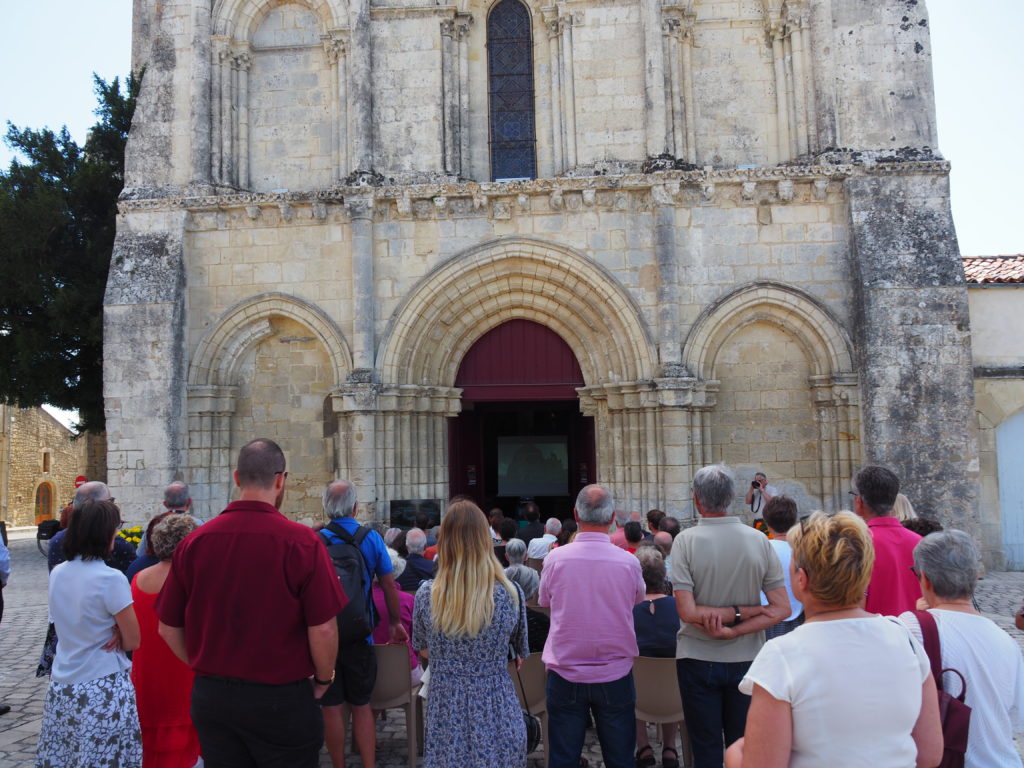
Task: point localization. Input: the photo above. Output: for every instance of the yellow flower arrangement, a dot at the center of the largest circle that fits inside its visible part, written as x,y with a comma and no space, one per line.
132,535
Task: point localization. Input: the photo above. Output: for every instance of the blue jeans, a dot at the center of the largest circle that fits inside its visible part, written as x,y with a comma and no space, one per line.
613,706
712,705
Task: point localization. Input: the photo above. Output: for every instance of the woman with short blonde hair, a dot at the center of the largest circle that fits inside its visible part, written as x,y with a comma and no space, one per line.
860,673
467,618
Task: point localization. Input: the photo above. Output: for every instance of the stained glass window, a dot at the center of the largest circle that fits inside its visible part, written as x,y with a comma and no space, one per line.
510,70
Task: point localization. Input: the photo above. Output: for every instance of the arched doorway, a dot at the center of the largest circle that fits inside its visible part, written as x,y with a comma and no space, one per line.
520,432
44,502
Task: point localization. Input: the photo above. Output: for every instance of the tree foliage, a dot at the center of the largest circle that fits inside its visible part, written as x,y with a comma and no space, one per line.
57,224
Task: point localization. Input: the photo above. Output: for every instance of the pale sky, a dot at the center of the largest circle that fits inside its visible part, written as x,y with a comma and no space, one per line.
52,48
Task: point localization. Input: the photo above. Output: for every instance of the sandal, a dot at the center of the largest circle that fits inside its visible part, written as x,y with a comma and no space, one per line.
648,761
669,762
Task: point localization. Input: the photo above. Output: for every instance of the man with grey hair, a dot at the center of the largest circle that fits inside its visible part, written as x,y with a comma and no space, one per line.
540,546
177,499
719,569
356,667
123,553
591,587
417,567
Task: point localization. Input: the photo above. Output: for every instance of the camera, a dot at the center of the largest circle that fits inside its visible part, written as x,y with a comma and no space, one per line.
755,484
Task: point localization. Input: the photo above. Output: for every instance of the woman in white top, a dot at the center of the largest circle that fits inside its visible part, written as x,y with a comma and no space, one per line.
989,659
89,717
848,688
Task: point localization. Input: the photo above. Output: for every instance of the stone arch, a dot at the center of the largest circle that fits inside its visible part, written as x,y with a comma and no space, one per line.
239,19
824,342
222,348
508,278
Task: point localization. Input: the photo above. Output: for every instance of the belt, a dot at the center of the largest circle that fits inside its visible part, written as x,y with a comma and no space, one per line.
241,681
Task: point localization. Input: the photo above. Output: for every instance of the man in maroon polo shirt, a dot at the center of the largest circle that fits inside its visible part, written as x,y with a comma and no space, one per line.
250,604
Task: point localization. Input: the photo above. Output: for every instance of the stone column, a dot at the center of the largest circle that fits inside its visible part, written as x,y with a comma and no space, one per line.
336,45
673,85
199,118
356,406
689,21
776,33
364,345
449,97
463,21
654,78
667,258
796,24
836,405
220,46
227,116
553,24
568,77
242,62
360,88
913,339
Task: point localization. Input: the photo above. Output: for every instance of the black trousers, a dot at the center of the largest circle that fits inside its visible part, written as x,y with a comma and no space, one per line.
251,725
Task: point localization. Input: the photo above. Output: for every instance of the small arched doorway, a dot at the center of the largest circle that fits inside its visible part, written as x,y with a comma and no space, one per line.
520,432
44,502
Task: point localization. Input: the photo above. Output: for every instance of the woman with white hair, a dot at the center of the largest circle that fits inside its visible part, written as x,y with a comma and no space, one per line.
382,632
537,624
946,563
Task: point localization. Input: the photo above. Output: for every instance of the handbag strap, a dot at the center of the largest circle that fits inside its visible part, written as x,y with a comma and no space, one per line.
514,652
932,646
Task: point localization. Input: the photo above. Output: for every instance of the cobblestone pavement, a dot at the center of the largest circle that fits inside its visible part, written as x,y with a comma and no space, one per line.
24,625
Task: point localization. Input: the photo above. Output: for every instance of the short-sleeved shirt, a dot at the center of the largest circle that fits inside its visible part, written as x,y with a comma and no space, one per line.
591,586
785,553
246,587
758,503
854,686
375,554
723,563
893,588
85,595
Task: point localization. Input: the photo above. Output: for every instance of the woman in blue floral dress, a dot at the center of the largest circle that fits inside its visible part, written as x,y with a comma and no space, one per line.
464,621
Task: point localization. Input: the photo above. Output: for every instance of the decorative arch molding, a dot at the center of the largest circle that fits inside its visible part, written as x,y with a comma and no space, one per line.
826,345
219,353
516,278
239,19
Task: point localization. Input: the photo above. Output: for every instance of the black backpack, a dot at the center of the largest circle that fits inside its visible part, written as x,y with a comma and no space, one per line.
356,620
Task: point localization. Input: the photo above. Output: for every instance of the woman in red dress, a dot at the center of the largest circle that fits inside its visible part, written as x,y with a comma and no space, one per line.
163,684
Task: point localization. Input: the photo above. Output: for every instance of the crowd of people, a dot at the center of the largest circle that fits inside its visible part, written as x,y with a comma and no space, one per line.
248,640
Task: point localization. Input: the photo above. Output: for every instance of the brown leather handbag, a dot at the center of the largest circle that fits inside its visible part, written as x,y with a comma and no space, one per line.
954,714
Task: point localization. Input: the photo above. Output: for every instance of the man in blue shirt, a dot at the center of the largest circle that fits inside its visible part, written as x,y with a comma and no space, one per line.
356,670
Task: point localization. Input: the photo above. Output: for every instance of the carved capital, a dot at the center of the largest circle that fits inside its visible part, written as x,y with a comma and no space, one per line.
671,26
448,28
335,44
221,49
242,60
463,21
359,207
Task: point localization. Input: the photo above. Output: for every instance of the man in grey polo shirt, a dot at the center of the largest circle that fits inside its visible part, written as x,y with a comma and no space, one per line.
719,569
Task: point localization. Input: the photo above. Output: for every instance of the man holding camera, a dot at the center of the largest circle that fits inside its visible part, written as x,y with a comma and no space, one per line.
758,496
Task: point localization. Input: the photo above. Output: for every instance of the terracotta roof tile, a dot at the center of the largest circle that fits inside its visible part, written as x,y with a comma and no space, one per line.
994,269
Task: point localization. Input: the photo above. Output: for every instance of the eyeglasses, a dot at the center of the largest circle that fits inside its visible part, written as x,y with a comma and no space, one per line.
282,472
120,524
853,493
917,573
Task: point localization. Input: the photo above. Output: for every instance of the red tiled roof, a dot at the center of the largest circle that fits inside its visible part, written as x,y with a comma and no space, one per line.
994,269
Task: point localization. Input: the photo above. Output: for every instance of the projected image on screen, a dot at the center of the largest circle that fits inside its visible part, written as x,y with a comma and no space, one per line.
533,466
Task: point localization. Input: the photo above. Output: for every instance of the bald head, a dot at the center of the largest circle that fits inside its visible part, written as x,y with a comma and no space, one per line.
595,506
91,491
176,496
259,463
415,541
339,499
663,541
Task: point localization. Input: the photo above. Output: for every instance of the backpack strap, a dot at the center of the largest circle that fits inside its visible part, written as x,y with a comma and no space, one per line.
355,539
932,646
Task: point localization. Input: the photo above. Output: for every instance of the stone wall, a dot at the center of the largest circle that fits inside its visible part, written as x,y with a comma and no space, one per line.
37,450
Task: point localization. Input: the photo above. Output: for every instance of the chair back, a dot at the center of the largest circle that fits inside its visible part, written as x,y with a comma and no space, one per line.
537,563
657,690
534,678
393,687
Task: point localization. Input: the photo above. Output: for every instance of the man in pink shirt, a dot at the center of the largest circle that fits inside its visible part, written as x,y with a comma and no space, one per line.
893,588
591,586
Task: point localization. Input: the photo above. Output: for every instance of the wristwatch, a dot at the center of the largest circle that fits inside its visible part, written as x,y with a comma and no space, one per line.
738,616
318,681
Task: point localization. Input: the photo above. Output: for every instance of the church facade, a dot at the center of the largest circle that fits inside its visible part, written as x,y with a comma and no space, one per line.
425,245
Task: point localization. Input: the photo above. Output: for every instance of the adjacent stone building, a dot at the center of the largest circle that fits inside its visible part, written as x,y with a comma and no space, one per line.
995,291
39,461
425,244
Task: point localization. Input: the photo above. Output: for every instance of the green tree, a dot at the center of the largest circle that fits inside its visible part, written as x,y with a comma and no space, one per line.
57,224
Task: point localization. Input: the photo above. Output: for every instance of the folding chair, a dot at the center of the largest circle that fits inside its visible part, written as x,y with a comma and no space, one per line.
657,697
534,677
393,690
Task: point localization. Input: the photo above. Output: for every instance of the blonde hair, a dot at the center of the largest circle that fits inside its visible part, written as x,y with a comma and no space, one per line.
903,509
837,554
462,596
